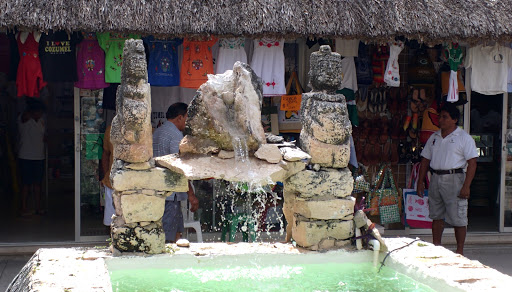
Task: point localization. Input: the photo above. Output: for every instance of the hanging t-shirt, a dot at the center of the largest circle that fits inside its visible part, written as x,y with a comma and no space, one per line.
197,62
347,48
163,69
348,72
113,44
29,76
268,63
58,56
231,50
489,68
90,63
509,80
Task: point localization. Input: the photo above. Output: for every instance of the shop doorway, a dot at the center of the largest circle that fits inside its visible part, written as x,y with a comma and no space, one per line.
53,219
486,128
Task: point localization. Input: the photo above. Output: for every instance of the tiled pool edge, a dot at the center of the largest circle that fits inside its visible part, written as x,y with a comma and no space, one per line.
84,269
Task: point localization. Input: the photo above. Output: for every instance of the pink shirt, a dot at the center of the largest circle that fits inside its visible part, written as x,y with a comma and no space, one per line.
90,63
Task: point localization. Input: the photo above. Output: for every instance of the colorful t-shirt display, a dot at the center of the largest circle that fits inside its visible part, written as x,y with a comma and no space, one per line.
197,62
163,67
268,63
113,44
58,56
29,78
231,50
90,63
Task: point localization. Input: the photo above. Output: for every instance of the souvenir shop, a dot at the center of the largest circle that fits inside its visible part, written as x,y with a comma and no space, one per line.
393,93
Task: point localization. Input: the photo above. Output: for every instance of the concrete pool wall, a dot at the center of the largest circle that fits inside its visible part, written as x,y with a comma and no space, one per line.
85,269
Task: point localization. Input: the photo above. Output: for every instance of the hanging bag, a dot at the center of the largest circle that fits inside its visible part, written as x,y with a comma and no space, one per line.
361,184
385,201
289,111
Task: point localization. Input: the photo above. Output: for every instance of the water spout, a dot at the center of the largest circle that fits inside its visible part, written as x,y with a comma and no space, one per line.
375,244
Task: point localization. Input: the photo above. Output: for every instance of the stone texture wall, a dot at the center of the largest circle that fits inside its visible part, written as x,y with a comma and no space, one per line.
140,188
318,205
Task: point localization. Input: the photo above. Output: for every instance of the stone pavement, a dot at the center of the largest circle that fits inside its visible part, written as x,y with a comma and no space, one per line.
498,257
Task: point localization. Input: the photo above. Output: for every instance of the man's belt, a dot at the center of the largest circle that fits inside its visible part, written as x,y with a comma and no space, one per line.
448,171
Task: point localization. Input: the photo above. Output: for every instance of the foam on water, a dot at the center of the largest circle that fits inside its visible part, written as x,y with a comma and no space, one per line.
327,276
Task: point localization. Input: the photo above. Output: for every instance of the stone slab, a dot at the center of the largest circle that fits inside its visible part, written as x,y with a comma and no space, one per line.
310,233
157,178
140,207
197,167
326,209
326,182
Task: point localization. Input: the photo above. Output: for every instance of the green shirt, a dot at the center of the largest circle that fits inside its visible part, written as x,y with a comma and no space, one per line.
113,44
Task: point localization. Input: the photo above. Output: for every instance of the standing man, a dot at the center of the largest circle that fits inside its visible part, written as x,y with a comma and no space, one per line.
166,140
447,152
107,158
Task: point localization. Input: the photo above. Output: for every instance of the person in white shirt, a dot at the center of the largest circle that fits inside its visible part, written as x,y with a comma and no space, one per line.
31,154
447,152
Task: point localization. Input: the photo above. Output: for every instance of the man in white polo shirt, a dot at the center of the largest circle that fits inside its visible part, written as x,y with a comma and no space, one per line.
447,153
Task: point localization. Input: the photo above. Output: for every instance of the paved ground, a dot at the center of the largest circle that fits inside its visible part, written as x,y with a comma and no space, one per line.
498,257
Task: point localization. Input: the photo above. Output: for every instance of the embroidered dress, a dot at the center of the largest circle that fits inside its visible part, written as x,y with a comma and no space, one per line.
197,62
29,78
392,75
113,44
90,63
230,51
268,63
163,68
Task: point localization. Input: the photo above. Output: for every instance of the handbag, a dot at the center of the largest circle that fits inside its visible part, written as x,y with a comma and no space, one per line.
384,201
361,184
289,109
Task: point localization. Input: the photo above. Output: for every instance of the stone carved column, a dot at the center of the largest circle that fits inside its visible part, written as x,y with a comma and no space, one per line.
140,188
320,200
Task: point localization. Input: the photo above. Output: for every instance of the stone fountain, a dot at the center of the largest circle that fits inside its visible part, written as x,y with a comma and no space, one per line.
225,140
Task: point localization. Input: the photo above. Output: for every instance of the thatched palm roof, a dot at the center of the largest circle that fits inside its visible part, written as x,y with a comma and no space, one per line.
426,20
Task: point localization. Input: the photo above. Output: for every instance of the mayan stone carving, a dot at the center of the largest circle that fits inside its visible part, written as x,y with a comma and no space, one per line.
226,107
326,127
317,201
131,133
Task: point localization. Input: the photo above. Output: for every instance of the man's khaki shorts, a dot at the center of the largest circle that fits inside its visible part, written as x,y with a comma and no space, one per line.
443,200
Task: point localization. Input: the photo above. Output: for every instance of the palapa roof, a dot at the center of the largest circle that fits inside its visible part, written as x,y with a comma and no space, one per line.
430,21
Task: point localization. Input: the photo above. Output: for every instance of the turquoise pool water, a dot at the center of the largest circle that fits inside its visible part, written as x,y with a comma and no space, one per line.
259,273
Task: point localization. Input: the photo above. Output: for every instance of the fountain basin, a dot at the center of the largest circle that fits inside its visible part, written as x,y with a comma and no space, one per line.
90,269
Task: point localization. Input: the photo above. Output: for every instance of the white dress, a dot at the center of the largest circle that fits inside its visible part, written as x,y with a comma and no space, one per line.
230,51
392,75
268,63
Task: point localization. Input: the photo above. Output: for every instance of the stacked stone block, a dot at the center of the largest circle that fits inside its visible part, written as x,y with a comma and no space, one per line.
318,205
140,188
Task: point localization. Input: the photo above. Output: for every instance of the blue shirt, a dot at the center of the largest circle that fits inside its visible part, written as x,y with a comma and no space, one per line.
166,140
163,68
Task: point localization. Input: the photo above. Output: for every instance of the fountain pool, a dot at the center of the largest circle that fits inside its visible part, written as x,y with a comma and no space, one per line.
413,266
332,271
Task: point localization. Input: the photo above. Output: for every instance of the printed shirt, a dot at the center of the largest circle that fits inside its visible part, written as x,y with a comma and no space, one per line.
197,62
90,63
450,152
489,68
57,51
163,69
113,44
166,140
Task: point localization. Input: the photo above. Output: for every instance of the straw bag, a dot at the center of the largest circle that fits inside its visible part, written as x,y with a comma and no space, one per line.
385,201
